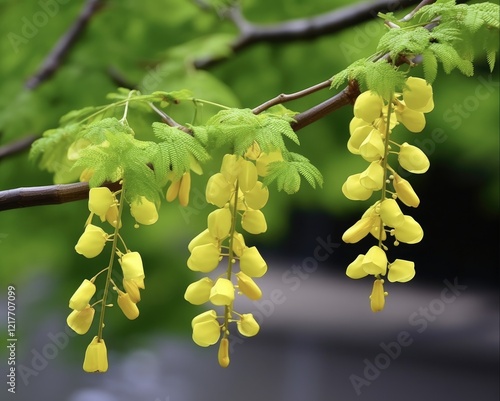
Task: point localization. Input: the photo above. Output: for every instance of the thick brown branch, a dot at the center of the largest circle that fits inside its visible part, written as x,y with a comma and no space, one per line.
63,46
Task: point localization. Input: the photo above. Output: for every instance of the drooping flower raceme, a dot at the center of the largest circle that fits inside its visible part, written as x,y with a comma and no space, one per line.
239,196
371,138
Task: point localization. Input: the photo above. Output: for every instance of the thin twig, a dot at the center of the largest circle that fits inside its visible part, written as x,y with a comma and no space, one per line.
63,46
169,120
17,146
283,98
409,16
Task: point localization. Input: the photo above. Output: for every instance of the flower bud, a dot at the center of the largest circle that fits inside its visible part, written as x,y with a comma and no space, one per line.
353,190
377,298
248,287
219,223
265,159
198,293
247,176
128,307
252,263
202,238
82,295
81,320
405,192
410,232
231,165
390,213
375,261
373,177
184,189
355,269
254,222
222,293
253,152
100,200
418,95
96,356
413,159
368,106
223,354
372,148
132,267
144,211
358,231
92,241
218,190
238,243
132,289
247,325
401,270
204,258
112,216
173,190
357,138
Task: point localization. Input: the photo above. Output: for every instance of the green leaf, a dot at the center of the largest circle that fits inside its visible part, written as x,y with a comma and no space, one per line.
384,79
430,66
405,42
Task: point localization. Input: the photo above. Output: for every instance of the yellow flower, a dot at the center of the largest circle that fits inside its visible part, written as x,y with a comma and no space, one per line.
204,258
230,168
198,293
247,175
247,325
265,159
405,192
219,223
358,136
413,120
131,287
144,211
418,95
254,222
390,213
218,190
96,356
375,261
252,263
223,354
373,177
132,267
353,190
222,293
112,216
410,232
248,287
180,188
368,106
206,329
372,148
238,244
100,200
202,238
82,295
358,231
355,269
257,197
377,298
413,159
401,270
128,307
81,320
92,241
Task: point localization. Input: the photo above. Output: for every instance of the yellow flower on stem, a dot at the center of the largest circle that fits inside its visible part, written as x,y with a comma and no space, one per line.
231,166
359,230
219,190
373,177
132,267
413,159
180,189
206,329
222,292
373,147
198,293
254,222
358,136
204,258
92,241
202,238
410,232
401,270
100,200
144,211
238,244
80,299
353,190
248,287
247,176
81,320
257,197
223,354
96,356
377,298
390,213
404,191
418,95
355,269
128,307
219,223
368,106
131,287
247,325
413,120
265,159
252,263
375,261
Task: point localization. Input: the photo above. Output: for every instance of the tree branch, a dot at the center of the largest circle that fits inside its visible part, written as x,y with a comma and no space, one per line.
303,29
63,46
17,146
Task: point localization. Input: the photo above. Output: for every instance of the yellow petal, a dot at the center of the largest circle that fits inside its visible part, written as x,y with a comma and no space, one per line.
372,148
265,159
132,266
247,325
248,287
204,258
222,293
173,190
405,191
375,261
257,197
144,211
401,270
355,269
112,216
198,293
218,190
128,307
81,320
368,106
247,175
132,289
82,295
206,333
202,238
391,214
413,120
357,138
358,231
223,354
253,152
410,232
238,244
252,263
373,177
230,167
219,223
92,241
254,222
413,159
184,189
418,94
353,190
96,356
100,200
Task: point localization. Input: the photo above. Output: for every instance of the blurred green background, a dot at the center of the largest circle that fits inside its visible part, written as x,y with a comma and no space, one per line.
142,42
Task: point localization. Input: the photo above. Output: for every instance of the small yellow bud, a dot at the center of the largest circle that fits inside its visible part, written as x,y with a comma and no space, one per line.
223,354
198,293
368,106
81,320
222,293
252,263
359,230
377,298
82,295
254,222
238,243
128,307
184,189
204,258
130,286
401,270
144,211
92,241
248,287
405,191
100,200
96,356
247,325
173,190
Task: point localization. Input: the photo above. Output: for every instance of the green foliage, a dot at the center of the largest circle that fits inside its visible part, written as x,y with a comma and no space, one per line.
287,173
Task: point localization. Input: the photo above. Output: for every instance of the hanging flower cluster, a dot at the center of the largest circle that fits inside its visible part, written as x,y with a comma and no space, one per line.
240,196
371,138
105,204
